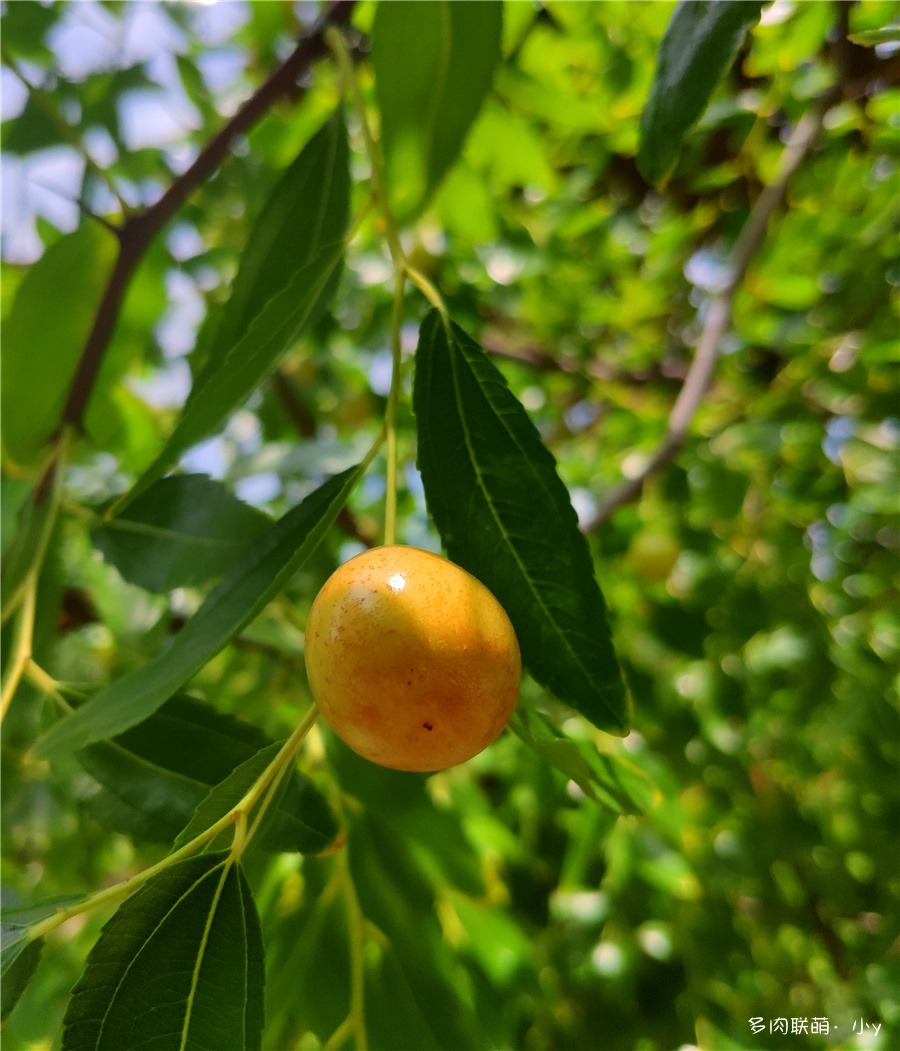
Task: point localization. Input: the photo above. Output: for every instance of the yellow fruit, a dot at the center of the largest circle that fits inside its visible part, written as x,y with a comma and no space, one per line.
654,554
412,661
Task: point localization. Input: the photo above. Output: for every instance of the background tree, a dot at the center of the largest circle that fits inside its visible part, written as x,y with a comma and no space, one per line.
235,238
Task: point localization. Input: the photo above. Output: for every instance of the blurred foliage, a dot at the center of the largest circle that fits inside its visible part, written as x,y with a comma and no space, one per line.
502,907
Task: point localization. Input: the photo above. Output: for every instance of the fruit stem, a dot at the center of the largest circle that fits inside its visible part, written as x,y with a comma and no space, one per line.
390,420
398,258
335,41
427,289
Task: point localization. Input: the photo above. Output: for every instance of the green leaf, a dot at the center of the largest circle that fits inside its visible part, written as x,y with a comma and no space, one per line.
181,532
19,954
234,602
179,965
35,526
434,62
416,990
15,496
873,37
505,515
290,270
156,774
607,779
700,43
303,822
41,346
24,29
31,130
20,960
306,212
223,386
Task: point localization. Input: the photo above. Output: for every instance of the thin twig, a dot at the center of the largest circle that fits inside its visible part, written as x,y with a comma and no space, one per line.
718,317
43,102
139,230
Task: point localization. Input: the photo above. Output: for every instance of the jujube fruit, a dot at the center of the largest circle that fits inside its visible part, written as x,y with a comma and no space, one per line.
411,660
654,554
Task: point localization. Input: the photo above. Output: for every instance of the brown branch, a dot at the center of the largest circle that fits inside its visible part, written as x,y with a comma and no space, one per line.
139,230
543,360
718,317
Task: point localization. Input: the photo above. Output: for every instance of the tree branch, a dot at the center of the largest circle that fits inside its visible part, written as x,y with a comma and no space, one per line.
139,230
542,360
718,318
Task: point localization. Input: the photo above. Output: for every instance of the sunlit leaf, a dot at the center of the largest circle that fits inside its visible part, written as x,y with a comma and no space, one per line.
434,62
260,575
505,515
41,346
179,965
607,779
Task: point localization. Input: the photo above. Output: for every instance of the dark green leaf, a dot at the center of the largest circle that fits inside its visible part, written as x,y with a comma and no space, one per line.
607,779
181,532
179,965
41,346
32,130
14,495
155,775
434,62
302,822
699,45
20,960
265,569
305,213
505,515
25,26
418,973
19,954
36,520
289,273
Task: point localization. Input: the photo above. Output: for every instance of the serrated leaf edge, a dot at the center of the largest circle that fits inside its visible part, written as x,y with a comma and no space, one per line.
503,532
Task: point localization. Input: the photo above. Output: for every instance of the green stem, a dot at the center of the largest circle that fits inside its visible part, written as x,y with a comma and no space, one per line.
45,683
338,47
271,778
398,258
340,1035
427,289
357,961
390,420
133,883
236,816
52,476
21,646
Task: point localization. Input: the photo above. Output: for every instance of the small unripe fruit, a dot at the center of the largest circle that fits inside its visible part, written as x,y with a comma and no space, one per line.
412,661
654,554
